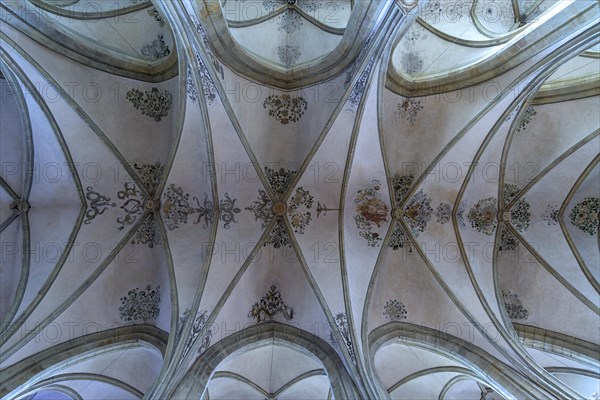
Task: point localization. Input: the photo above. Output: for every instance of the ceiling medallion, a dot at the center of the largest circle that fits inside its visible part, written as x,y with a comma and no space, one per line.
151,205
279,208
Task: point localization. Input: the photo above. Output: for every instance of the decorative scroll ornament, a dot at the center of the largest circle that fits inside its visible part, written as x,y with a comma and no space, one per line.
197,326
341,321
270,305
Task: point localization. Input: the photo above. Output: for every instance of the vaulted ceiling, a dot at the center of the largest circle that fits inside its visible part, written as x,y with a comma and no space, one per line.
246,199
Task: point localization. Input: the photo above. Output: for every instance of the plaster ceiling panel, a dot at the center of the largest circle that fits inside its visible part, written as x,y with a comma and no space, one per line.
481,205
577,67
281,127
123,365
530,294
187,205
426,387
405,290
134,35
314,387
6,202
467,389
106,222
452,18
108,27
134,288
366,203
545,234
270,366
234,174
532,9
89,6
267,40
254,299
580,219
52,182
335,14
12,139
545,132
50,395
452,256
421,53
397,360
418,130
550,360
231,389
144,109
50,232
12,240
94,390
315,217
496,16
586,385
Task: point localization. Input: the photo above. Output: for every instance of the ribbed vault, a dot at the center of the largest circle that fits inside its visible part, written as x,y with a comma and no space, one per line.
299,199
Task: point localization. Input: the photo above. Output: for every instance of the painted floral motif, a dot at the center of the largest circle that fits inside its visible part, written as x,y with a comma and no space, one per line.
394,310
279,179
341,321
550,214
299,220
290,21
197,327
154,103
98,204
519,218
399,239
153,12
19,207
140,305
288,55
262,209
513,305
150,175
418,212
371,211
483,216
443,213
530,112
157,49
361,84
270,305
147,233
177,208
279,236
400,186
408,110
584,215
285,108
